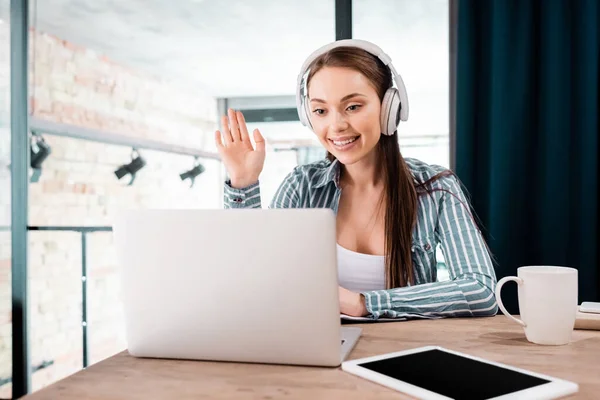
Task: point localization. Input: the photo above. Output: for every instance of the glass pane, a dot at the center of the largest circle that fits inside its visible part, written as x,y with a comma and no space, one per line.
415,34
5,199
54,305
156,72
106,325
282,138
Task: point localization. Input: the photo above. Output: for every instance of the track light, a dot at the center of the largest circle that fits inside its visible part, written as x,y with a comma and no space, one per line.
39,151
137,163
193,173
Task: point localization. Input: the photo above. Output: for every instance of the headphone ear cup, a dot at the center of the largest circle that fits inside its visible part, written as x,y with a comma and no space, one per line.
302,104
302,112
390,112
306,112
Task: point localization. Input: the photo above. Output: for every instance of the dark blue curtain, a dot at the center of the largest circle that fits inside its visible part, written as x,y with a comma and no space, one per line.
527,132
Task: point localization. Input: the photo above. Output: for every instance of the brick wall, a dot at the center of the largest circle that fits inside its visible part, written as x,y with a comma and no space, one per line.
74,85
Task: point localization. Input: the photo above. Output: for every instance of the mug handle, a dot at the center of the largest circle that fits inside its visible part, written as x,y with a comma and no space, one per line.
499,300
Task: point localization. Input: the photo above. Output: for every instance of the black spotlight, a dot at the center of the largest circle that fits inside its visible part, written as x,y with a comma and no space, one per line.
137,163
193,173
39,151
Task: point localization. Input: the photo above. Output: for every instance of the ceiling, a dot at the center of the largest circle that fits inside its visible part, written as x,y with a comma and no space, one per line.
225,48
231,48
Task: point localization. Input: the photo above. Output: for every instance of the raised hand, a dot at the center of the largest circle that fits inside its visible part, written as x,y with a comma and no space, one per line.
242,161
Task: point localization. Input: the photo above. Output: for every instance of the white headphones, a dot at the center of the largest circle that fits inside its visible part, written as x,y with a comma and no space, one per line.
394,106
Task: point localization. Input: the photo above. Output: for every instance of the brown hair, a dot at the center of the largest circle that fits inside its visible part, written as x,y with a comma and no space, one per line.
400,188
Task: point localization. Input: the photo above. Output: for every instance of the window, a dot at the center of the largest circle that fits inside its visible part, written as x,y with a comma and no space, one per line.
161,72
415,34
5,206
286,148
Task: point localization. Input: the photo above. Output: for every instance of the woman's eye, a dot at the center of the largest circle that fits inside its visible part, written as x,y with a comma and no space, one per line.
319,111
353,107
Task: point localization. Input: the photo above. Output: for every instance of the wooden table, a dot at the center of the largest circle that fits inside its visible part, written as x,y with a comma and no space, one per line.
496,339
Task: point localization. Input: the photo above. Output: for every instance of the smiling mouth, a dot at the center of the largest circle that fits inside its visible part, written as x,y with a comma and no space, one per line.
342,143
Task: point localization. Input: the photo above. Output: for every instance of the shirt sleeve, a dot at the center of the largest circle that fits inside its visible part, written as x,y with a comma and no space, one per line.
248,197
288,195
470,290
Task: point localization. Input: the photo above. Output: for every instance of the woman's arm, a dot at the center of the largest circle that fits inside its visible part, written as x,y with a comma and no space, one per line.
470,291
242,161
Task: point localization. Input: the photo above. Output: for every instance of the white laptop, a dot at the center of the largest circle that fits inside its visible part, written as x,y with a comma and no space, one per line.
232,285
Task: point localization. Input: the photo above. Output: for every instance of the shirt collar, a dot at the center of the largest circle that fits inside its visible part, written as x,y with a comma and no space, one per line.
331,173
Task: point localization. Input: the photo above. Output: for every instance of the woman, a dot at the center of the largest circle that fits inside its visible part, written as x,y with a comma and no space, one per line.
391,212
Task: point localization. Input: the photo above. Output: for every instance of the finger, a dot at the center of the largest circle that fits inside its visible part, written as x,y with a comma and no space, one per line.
218,140
225,129
259,140
243,128
233,126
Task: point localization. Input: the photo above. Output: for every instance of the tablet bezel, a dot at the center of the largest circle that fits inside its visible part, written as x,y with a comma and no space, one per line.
553,389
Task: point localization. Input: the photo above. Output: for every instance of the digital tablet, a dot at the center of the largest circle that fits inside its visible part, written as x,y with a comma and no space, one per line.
434,373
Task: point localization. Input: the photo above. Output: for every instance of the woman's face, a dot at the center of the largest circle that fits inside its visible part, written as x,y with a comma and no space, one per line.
344,113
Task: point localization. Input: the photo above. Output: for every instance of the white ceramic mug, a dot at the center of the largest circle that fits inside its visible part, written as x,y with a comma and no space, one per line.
547,300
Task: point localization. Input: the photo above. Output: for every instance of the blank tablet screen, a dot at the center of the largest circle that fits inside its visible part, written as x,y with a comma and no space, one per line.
453,376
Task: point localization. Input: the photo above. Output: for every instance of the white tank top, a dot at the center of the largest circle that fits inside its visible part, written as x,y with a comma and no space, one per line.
360,272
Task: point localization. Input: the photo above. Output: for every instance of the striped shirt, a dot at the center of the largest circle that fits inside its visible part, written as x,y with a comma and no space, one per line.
443,218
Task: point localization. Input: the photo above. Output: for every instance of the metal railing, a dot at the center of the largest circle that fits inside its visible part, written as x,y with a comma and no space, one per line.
83,230
35,368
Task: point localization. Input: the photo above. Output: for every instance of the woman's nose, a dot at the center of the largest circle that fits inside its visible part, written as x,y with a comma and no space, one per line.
339,122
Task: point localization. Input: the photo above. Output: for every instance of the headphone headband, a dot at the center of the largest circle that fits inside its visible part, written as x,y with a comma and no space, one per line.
369,47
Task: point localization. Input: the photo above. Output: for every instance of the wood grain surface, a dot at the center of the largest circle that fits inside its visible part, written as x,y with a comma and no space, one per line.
495,338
